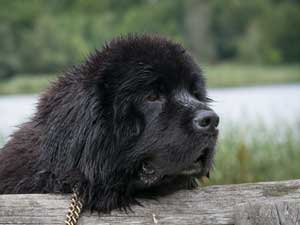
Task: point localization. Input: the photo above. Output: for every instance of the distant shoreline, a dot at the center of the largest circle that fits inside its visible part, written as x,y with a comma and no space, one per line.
217,76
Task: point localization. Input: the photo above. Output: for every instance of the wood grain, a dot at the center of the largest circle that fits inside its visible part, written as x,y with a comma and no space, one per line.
223,204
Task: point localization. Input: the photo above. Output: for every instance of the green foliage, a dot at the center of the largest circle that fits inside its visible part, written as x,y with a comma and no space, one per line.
228,74
40,36
282,33
255,155
230,20
25,84
154,17
273,36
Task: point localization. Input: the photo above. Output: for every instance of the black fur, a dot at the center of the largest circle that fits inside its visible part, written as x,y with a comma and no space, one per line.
94,127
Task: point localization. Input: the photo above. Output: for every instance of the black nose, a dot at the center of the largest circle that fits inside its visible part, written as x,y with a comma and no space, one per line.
206,120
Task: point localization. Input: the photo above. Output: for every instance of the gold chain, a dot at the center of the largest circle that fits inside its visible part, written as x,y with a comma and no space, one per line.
74,211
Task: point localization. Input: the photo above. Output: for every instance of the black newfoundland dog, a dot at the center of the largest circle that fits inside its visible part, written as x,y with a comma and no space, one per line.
131,121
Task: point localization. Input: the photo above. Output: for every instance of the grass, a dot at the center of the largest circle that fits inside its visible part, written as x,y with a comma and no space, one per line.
230,75
221,75
25,84
261,156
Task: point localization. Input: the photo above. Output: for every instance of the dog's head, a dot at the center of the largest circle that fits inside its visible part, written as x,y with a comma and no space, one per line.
134,116
162,123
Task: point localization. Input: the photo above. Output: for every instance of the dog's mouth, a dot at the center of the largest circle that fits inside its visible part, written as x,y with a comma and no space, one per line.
199,168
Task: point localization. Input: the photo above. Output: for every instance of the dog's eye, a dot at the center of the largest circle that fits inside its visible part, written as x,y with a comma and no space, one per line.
153,98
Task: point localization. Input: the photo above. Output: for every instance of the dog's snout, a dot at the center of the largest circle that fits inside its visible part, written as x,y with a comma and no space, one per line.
206,120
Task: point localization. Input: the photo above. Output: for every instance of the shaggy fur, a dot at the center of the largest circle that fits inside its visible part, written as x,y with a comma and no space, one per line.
99,125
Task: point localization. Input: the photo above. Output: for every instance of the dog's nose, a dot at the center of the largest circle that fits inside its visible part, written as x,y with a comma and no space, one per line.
206,120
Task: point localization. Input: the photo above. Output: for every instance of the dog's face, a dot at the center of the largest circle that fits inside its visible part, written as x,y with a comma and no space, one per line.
161,115
180,132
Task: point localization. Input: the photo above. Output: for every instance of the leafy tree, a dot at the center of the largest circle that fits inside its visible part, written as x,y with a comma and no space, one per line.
40,36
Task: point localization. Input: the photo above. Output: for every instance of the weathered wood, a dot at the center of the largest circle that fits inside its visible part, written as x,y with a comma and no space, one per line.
208,205
269,213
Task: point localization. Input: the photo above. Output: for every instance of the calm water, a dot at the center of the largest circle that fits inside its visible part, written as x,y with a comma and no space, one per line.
272,106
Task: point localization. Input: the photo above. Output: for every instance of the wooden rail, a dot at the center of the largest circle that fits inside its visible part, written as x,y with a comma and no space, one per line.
276,203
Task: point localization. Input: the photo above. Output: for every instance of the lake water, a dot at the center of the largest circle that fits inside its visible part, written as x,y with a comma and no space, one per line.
272,106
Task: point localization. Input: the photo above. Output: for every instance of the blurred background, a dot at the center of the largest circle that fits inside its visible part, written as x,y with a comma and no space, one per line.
249,52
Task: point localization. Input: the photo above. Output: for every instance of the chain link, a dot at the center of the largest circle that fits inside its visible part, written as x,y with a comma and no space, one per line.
74,211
